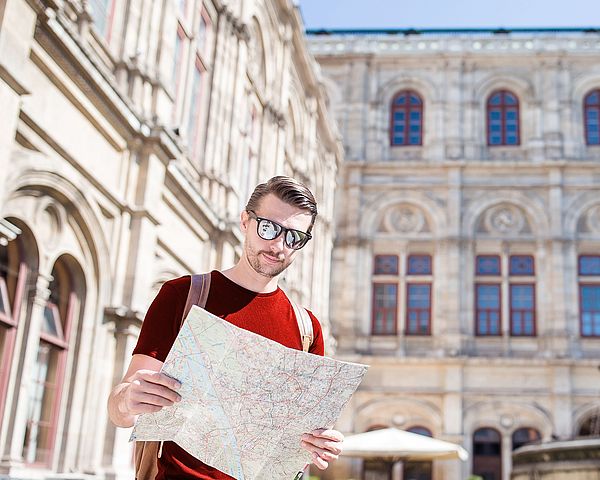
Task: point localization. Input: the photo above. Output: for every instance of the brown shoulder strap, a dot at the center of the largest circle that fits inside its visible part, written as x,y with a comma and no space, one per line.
304,325
198,294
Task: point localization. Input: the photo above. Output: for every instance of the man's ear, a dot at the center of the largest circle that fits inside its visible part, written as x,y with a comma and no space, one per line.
244,220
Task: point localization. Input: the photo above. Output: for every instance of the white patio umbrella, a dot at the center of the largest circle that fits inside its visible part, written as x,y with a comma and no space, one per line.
394,444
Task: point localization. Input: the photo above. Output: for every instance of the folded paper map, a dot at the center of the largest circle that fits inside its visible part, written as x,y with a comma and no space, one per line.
246,400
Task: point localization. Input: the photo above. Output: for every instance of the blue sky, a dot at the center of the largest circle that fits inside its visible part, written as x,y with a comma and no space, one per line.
449,13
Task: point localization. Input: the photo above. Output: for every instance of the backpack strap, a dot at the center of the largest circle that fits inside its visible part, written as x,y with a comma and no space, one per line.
304,325
198,293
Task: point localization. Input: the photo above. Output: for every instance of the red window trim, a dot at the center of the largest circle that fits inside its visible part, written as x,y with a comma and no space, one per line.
407,110
409,310
476,309
533,310
579,264
585,116
502,106
202,53
521,274
488,274
417,254
11,335
585,284
374,309
60,378
386,255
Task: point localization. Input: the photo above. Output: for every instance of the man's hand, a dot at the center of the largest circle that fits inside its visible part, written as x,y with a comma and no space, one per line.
323,445
148,392
143,390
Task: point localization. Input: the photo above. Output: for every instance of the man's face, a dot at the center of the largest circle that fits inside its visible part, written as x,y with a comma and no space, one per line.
271,257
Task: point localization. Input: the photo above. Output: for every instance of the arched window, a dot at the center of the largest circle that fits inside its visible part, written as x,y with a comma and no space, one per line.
590,427
414,470
487,454
503,118
13,279
406,124
591,117
47,376
525,436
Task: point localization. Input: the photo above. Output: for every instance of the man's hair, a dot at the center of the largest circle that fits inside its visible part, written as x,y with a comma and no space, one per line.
287,190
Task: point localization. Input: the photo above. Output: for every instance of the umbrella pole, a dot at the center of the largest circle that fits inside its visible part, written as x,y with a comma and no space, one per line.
397,470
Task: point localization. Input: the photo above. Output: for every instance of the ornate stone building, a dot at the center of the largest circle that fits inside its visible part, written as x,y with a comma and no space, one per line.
467,262
132,133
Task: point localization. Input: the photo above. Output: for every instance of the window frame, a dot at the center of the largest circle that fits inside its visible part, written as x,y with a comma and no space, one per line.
375,309
581,311
395,256
476,309
429,310
503,107
586,108
407,109
511,310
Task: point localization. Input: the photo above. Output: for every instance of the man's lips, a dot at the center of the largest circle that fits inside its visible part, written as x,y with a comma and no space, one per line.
270,258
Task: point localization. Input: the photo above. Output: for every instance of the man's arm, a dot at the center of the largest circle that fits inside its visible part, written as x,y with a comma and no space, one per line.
142,390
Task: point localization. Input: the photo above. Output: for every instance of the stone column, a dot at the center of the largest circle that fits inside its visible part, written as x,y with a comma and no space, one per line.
125,326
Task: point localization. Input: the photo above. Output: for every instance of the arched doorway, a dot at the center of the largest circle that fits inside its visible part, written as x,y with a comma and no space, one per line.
418,470
487,454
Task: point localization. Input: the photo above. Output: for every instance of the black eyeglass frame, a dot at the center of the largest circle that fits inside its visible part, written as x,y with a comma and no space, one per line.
307,236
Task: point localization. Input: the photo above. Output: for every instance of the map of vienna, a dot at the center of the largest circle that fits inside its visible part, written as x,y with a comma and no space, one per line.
246,400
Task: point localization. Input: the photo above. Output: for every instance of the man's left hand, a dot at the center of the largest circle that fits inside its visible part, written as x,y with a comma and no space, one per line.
324,445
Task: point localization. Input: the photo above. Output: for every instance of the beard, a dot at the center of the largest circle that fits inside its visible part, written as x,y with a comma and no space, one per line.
261,266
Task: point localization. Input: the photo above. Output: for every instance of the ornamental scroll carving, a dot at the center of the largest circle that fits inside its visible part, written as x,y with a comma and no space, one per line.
404,219
593,219
504,220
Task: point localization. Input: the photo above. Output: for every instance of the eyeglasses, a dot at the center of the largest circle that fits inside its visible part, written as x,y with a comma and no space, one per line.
270,230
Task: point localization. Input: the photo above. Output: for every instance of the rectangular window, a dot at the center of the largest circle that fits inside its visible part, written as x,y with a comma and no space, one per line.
102,11
521,265
385,308
487,265
589,298
386,265
194,116
589,265
418,309
419,265
487,311
522,310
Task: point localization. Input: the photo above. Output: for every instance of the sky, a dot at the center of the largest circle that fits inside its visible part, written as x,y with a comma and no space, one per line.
449,13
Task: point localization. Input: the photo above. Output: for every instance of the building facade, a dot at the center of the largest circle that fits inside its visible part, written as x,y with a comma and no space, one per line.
132,133
466,267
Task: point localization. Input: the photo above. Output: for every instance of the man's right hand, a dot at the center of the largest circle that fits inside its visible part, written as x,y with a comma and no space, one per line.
149,391
143,390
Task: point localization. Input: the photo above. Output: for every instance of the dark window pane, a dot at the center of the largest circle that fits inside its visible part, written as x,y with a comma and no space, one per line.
589,265
487,265
419,265
521,265
386,264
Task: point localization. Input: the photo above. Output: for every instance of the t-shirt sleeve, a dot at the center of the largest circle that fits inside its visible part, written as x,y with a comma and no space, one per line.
163,320
318,345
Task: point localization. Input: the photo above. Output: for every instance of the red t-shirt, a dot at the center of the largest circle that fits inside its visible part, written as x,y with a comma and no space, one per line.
268,314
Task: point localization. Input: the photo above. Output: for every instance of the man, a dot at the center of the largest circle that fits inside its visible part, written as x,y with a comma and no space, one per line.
276,224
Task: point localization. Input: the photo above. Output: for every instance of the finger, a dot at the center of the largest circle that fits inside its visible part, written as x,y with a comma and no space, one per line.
143,387
321,452
319,462
323,444
158,378
329,434
146,408
137,398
